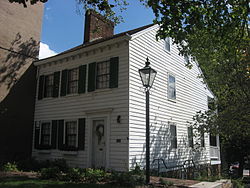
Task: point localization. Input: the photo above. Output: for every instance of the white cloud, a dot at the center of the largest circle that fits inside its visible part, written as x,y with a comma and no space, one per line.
45,51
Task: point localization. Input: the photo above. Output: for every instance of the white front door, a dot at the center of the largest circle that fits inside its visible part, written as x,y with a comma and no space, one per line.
98,144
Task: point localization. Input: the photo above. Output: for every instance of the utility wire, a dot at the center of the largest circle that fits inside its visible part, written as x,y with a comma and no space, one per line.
18,53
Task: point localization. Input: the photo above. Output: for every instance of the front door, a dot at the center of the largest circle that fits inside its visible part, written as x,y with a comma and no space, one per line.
98,144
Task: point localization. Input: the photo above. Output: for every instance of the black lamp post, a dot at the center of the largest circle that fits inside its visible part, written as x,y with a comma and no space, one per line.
147,75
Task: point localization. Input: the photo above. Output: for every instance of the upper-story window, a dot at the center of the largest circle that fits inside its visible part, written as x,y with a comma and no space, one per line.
171,87
167,44
102,75
72,81
173,136
45,133
48,85
186,59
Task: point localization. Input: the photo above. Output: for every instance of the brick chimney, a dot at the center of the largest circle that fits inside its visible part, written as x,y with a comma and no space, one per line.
97,26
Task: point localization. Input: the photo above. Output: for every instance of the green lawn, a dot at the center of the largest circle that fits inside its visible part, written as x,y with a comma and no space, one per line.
23,182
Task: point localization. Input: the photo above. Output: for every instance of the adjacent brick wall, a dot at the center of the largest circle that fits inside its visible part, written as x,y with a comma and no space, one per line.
20,32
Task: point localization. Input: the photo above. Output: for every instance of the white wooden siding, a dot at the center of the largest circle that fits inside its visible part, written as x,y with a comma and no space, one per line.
79,105
191,97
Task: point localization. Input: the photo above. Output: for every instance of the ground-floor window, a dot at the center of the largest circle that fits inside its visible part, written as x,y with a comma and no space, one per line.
71,133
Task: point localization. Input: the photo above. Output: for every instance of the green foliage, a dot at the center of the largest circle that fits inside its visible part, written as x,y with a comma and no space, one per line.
73,175
95,175
127,178
165,182
10,167
50,173
237,183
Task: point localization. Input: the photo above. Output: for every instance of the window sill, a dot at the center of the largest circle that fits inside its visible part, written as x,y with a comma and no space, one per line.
72,153
102,90
44,152
172,100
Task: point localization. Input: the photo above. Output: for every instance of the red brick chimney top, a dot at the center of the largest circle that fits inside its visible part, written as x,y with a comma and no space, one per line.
97,26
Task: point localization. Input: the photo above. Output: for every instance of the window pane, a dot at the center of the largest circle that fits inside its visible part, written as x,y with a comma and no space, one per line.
213,141
171,87
167,44
48,86
71,133
173,136
190,137
103,74
45,134
73,81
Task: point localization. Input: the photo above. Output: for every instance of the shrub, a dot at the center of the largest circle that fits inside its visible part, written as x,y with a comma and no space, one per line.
127,178
10,167
237,183
73,175
95,175
50,173
165,182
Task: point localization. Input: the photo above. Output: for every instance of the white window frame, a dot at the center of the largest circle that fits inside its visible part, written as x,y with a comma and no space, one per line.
44,85
108,62
68,82
64,131
40,131
168,90
167,41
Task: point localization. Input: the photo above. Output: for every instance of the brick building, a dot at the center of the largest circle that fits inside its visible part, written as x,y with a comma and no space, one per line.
19,47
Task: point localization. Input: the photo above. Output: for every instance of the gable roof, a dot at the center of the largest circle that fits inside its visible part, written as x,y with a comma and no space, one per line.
129,32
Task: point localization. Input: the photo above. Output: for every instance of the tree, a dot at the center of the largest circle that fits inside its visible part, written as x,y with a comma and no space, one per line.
216,34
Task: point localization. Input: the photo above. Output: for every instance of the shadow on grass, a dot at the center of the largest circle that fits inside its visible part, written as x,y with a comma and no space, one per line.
24,182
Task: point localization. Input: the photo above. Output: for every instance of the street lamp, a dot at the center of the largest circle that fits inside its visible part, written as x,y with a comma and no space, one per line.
147,75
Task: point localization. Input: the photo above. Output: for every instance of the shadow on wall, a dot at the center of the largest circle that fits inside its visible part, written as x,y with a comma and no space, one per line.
14,62
17,108
160,148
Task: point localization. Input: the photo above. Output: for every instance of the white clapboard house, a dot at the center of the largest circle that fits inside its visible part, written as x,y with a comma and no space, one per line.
90,103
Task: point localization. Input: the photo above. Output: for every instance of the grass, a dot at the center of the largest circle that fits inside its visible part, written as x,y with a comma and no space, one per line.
24,182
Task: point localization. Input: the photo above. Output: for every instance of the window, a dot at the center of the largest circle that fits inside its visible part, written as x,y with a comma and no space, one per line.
186,59
213,140
173,136
190,137
73,81
71,134
167,44
202,138
103,74
171,87
48,85
45,134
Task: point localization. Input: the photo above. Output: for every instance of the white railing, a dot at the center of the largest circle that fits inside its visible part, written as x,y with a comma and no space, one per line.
214,153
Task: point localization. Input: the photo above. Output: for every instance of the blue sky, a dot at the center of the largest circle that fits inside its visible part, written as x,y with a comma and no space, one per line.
63,26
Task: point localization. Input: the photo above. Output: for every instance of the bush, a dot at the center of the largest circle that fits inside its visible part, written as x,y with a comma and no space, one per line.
34,165
95,175
10,167
165,182
127,178
237,183
50,173
73,175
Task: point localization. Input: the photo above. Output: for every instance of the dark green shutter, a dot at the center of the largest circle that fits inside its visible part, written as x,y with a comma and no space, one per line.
41,87
64,82
82,79
91,77
114,71
37,135
54,134
56,84
81,134
60,134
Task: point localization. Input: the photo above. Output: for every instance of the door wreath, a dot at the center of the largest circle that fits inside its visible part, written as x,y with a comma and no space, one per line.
99,131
